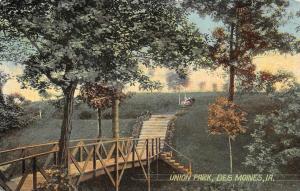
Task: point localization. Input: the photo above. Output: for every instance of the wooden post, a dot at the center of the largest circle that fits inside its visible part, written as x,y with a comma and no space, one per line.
159,145
55,158
133,154
152,145
94,161
116,135
157,156
69,161
148,165
34,174
80,154
117,165
23,162
156,148
230,154
115,118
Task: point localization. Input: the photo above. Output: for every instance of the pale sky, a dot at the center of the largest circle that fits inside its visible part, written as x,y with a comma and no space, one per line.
271,62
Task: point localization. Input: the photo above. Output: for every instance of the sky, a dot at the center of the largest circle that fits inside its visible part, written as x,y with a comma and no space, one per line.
270,62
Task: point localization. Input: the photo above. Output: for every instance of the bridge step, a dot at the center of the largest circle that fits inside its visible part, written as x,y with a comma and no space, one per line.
155,129
167,157
154,126
151,133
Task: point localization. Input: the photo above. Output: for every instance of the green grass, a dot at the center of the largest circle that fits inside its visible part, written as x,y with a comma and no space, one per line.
210,152
50,131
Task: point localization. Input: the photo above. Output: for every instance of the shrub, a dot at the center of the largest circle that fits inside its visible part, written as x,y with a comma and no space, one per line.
84,115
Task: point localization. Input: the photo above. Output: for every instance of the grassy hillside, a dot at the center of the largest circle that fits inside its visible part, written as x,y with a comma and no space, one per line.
210,152
190,129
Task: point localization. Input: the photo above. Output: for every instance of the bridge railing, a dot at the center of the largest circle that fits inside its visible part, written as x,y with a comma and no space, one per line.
86,156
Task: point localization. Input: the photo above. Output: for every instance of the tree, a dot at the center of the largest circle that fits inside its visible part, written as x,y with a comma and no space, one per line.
249,28
16,99
225,87
215,87
225,117
266,82
99,97
176,82
11,111
202,86
78,42
3,79
275,140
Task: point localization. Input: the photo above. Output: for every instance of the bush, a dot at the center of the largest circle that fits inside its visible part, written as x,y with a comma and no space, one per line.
12,113
84,115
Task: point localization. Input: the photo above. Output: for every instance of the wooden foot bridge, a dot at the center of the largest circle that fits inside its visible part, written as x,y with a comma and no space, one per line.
25,168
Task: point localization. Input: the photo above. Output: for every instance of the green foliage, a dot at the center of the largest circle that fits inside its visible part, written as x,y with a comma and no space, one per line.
58,181
86,41
226,117
14,49
3,78
102,41
175,81
12,113
267,82
85,115
250,28
275,145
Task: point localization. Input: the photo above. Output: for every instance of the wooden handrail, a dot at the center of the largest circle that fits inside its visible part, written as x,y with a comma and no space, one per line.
54,143
180,154
56,150
120,151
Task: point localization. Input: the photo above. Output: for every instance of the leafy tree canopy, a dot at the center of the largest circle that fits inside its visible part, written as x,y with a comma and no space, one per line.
249,28
226,117
275,140
84,41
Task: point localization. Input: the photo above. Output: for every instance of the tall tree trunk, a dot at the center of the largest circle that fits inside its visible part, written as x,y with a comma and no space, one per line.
231,83
230,154
115,118
2,101
99,123
66,126
231,69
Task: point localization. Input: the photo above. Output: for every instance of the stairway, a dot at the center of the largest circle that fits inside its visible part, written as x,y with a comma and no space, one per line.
169,159
156,126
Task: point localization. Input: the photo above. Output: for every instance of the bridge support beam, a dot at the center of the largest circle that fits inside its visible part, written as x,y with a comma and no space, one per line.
117,166
148,165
